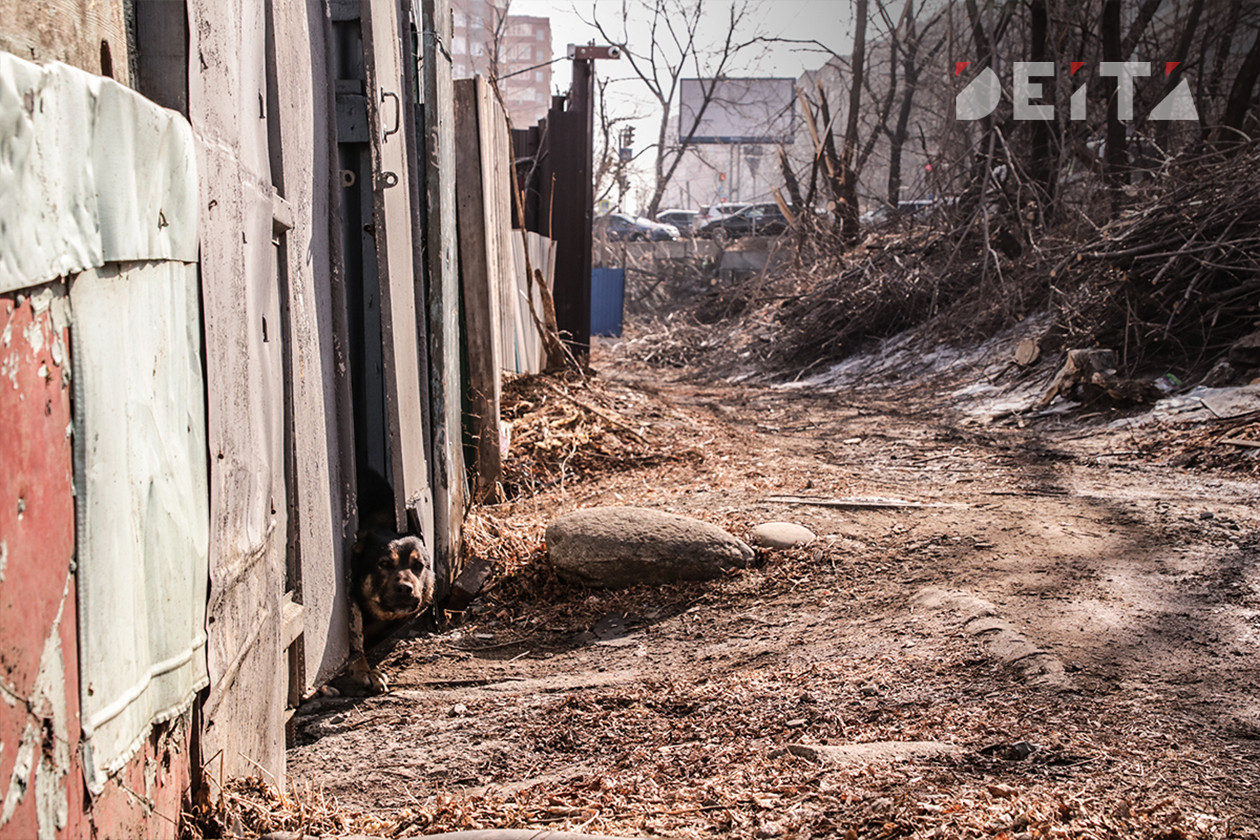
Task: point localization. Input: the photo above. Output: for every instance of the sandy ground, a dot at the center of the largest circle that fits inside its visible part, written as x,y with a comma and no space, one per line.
1057,638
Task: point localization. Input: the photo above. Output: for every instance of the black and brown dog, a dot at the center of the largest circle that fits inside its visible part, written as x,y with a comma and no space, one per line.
391,580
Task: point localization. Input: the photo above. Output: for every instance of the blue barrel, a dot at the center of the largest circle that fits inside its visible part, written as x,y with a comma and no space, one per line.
608,288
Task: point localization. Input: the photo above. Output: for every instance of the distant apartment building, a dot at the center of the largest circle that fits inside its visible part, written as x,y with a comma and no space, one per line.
490,42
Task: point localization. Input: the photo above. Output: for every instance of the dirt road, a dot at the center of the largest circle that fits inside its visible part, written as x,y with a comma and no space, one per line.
1058,638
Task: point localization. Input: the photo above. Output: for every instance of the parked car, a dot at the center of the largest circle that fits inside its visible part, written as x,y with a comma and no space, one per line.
753,220
619,226
684,220
918,209
713,212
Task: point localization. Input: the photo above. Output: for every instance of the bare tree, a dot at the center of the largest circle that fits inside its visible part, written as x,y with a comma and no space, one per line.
610,161
910,49
848,209
676,49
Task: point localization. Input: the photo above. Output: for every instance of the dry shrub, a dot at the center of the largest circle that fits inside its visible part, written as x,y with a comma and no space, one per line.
567,428
1174,279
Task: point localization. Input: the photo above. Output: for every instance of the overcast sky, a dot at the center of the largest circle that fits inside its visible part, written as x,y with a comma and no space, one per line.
828,21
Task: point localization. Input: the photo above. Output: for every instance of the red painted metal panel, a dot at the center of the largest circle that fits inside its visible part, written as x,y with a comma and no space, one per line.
38,628
37,611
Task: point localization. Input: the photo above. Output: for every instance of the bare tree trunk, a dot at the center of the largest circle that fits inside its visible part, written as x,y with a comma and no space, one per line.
1116,159
911,71
1042,166
897,137
1239,102
850,229
789,179
981,170
673,48
1144,15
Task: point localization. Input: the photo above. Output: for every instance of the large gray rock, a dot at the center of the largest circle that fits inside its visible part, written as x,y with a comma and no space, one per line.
622,546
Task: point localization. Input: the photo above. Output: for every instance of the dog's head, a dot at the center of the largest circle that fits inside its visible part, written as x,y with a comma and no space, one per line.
393,575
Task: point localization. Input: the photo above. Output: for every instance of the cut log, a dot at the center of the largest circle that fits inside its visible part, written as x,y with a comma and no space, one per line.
1080,367
1028,352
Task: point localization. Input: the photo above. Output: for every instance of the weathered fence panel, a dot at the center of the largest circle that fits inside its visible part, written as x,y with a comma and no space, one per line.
485,265
445,388
387,108
244,711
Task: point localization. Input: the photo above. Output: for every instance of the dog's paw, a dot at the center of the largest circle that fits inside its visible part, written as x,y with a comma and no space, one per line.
376,682
368,678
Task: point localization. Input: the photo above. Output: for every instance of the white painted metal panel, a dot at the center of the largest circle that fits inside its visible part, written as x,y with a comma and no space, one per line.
531,352
103,174
94,174
141,489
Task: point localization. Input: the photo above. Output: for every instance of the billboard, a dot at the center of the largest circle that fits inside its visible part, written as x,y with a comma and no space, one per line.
755,110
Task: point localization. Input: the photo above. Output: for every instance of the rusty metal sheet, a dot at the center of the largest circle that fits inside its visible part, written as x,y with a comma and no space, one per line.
103,174
142,499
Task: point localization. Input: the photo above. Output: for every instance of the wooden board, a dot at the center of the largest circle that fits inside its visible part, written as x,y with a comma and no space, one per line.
87,34
244,711
479,248
321,430
445,389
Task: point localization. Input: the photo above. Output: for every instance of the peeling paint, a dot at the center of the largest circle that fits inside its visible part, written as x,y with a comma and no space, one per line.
42,300
4,564
46,727
34,333
9,368
20,780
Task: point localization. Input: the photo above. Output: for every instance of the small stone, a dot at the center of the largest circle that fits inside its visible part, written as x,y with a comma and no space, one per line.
458,710
782,535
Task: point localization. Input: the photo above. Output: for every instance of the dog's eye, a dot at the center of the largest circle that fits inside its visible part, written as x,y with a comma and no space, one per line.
385,562
415,556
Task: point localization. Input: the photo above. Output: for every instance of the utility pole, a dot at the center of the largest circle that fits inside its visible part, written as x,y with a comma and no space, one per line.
572,209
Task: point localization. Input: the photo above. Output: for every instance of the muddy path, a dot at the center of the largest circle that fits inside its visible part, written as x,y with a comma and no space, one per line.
1058,636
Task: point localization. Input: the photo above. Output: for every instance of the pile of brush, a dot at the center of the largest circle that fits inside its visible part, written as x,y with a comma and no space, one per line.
1174,279
889,284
